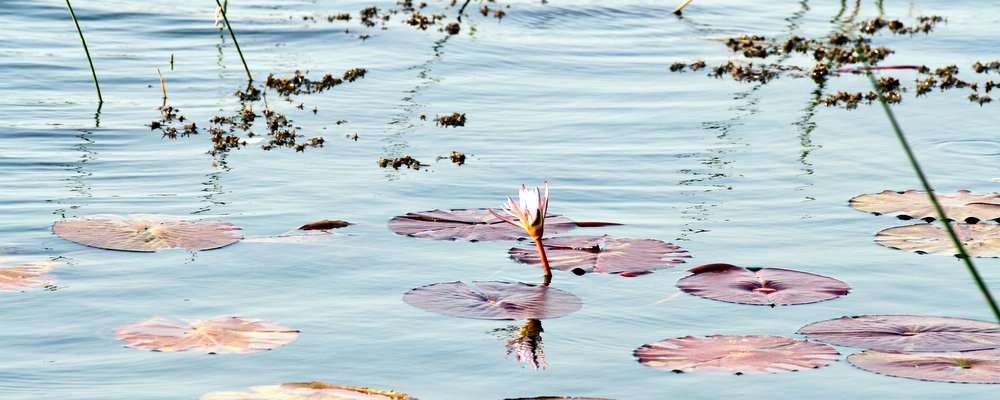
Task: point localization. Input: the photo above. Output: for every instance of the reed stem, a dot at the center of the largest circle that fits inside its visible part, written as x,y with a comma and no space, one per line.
233,35
681,7
930,193
100,99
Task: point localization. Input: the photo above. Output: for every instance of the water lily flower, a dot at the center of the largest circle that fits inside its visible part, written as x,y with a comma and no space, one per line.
529,214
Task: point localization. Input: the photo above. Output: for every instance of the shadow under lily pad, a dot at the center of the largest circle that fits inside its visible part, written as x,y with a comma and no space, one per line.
493,300
910,333
147,232
753,354
980,366
603,254
760,286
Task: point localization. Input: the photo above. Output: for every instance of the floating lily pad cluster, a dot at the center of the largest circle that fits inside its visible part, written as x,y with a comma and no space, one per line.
919,347
979,233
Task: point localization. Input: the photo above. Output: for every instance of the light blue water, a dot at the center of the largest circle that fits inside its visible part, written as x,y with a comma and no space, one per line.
574,92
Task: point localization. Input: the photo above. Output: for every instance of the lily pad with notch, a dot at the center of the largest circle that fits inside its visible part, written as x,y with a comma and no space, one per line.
979,366
978,240
220,335
147,232
760,286
603,254
752,354
493,300
309,391
473,224
915,204
908,333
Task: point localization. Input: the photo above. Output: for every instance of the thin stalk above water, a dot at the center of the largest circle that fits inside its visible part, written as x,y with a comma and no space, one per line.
233,35
100,99
937,206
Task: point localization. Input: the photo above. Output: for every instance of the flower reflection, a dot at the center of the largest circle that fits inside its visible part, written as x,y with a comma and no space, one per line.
525,343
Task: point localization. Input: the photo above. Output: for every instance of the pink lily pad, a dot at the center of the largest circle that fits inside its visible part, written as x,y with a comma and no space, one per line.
221,335
147,232
754,354
474,224
19,275
760,286
907,333
914,204
493,300
309,391
559,398
979,240
603,254
981,366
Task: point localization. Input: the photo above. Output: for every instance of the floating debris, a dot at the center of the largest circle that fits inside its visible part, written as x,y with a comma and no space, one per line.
397,162
299,84
454,120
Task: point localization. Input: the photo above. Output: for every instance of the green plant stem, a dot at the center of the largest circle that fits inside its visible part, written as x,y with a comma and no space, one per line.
100,99
937,206
233,35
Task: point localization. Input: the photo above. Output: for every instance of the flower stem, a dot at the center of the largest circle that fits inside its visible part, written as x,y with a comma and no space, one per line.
545,261
100,99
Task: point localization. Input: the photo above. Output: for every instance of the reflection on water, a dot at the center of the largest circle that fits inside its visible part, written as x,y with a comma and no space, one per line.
525,343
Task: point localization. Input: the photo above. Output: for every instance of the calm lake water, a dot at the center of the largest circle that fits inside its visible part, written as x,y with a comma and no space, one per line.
574,92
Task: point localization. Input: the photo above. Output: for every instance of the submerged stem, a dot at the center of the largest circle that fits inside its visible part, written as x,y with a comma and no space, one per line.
545,261
937,206
93,72
233,35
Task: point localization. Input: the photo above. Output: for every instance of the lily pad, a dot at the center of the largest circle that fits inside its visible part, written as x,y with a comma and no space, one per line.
309,391
147,232
909,333
760,286
559,398
221,335
603,254
753,354
979,240
493,300
914,204
325,225
18,275
474,224
982,366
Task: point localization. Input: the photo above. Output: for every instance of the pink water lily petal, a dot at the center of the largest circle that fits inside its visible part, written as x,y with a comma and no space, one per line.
603,254
753,354
915,204
309,391
980,366
979,240
20,274
475,224
221,335
763,286
909,333
493,300
147,232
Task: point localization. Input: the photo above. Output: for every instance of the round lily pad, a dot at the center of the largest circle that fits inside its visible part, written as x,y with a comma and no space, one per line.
981,366
760,286
603,254
979,240
754,354
493,300
147,232
17,274
221,335
910,333
559,398
474,224
915,204
309,391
